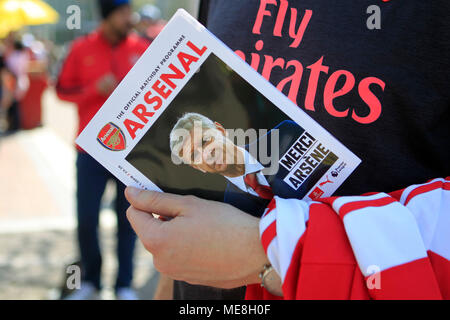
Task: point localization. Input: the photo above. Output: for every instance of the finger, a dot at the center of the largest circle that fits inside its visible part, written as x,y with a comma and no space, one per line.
145,225
164,204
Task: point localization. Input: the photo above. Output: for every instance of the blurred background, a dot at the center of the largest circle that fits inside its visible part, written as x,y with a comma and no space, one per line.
37,154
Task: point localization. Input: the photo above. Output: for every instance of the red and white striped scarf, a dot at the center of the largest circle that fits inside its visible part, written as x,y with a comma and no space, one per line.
373,246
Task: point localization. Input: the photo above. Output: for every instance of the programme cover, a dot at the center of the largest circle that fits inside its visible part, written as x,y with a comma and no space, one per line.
191,117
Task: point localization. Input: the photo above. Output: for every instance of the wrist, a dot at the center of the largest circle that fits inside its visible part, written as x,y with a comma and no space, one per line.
256,256
271,280
264,274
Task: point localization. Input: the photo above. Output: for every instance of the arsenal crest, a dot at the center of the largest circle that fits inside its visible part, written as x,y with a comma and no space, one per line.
112,138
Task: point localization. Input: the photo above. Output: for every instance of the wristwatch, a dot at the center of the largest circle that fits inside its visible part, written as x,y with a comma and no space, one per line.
271,280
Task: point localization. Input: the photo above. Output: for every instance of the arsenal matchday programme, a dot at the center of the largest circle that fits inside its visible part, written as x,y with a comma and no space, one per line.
192,117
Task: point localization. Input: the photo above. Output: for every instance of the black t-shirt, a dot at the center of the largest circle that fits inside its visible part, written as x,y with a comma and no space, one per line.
384,93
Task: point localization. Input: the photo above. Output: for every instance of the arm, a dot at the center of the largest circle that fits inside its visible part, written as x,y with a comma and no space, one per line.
70,86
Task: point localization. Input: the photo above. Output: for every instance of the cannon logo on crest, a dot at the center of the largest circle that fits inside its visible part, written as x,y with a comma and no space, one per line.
112,138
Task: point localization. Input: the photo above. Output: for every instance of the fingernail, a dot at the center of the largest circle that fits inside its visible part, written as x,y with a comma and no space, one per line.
133,192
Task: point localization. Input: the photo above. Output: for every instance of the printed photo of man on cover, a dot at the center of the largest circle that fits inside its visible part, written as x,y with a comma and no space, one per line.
252,171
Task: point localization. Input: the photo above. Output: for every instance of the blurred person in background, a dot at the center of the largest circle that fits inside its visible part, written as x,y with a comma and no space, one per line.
95,64
7,82
6,93
38,78
149,23
16,59
38,54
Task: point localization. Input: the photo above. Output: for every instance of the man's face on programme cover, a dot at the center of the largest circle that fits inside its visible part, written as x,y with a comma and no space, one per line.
210,151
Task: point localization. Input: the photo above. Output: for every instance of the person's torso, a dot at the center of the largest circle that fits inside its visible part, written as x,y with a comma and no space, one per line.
97,58
382,92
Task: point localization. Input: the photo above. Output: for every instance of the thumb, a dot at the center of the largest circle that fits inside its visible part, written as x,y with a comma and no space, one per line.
163,204
145,226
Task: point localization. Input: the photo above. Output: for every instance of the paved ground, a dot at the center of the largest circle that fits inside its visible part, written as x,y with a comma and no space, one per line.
37,211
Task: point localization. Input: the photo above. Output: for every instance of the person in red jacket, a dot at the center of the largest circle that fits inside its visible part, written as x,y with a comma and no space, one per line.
93,68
